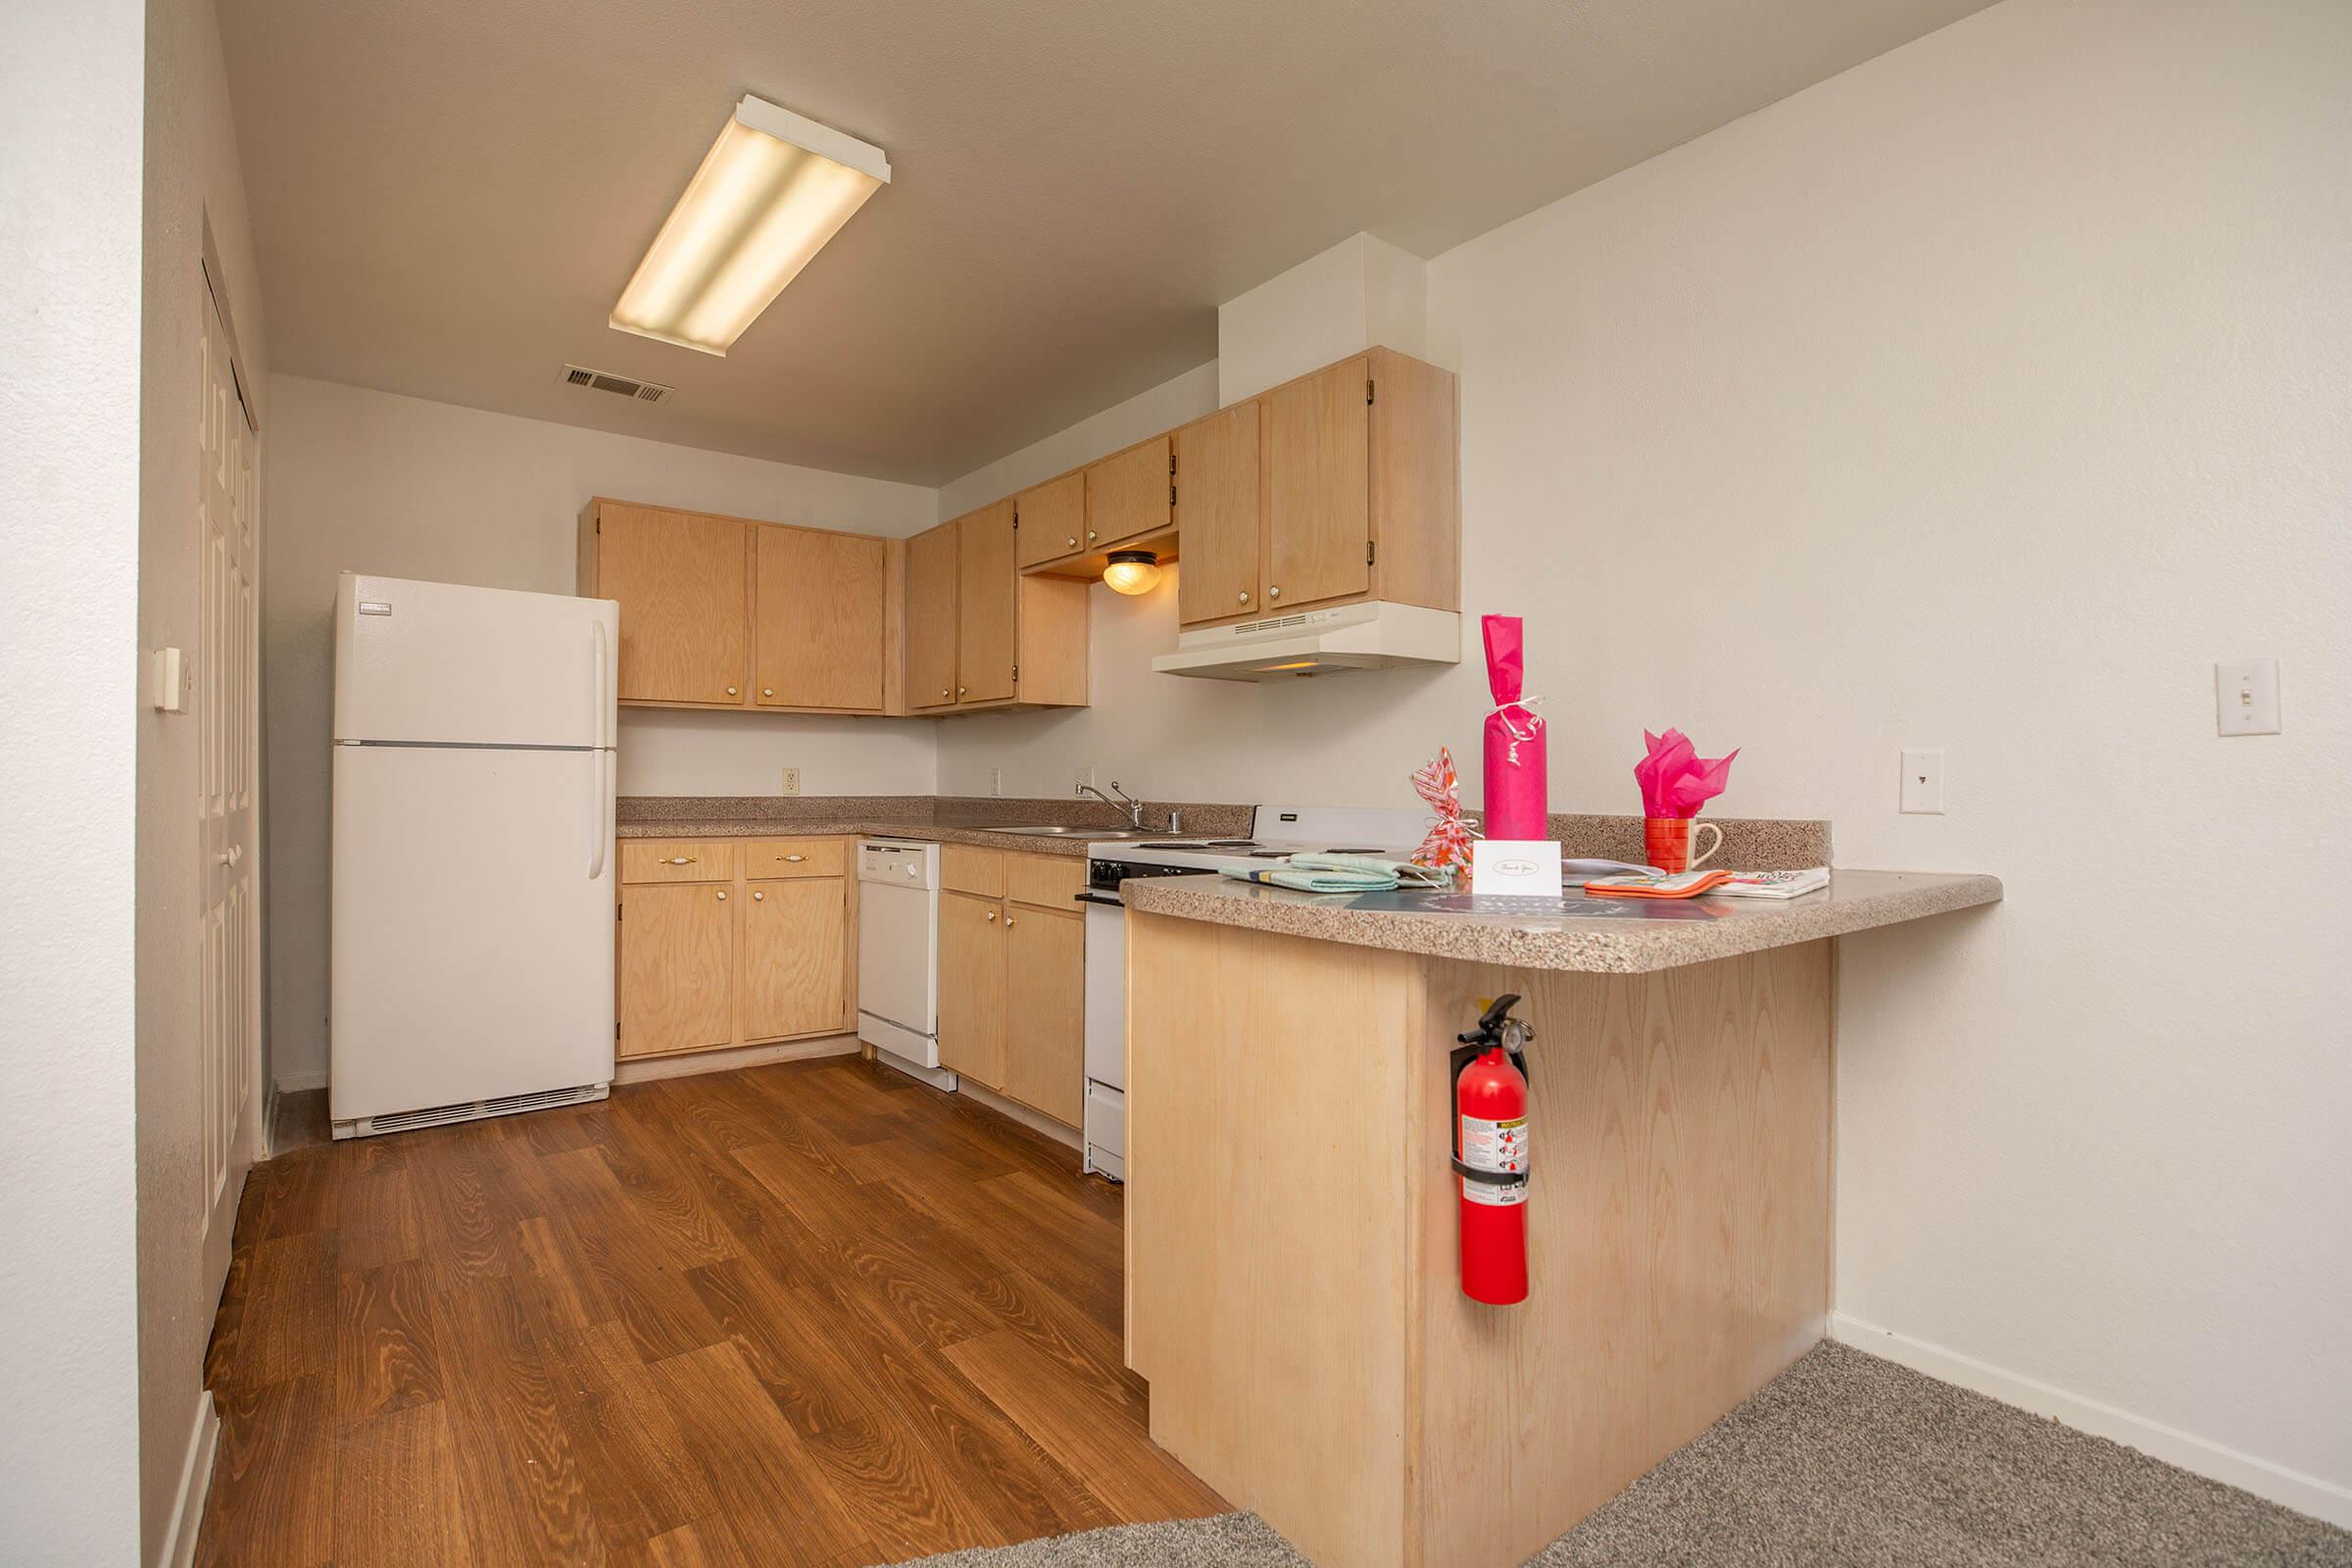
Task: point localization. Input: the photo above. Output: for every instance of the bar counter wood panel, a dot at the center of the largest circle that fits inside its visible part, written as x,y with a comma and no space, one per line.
1291,1231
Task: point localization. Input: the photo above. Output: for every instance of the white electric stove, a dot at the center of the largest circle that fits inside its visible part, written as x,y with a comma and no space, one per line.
1278,831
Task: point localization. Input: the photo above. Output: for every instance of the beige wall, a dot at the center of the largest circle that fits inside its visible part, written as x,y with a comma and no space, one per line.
192,170
69,246
373,482
2001,384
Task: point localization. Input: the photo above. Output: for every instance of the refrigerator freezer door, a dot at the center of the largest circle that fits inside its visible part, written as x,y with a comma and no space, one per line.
470,947
437,663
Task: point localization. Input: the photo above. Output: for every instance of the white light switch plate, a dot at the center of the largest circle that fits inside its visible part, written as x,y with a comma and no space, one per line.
1923,783
792,781
995,781
2246,697
171,695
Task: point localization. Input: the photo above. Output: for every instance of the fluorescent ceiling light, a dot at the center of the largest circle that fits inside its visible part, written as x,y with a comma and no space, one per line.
773,189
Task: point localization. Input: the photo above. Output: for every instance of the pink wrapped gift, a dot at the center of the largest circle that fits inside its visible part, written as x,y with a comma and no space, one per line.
1518,796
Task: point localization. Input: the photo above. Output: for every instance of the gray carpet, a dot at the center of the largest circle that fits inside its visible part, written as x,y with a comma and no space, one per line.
1843,1460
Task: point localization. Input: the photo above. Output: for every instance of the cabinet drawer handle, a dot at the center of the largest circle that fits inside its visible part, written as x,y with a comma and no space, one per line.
756,898
796,859
680,859
723,897
1274,592
730,690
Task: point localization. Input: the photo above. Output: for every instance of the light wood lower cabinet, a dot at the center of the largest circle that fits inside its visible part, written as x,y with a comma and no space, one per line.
971,986
793,974
1045,987
728,942
1012,978
678,968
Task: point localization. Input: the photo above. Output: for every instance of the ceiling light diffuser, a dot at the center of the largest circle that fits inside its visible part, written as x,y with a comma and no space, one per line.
773,189
1132,571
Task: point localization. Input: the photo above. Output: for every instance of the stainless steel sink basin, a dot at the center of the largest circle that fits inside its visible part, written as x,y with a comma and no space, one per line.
1063,831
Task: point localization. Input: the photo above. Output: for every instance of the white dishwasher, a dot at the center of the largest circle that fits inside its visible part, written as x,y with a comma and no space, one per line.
898,957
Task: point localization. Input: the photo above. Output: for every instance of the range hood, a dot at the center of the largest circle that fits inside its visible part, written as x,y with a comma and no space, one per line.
1373,635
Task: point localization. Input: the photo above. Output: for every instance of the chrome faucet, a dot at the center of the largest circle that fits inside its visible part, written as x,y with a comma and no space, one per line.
1126,803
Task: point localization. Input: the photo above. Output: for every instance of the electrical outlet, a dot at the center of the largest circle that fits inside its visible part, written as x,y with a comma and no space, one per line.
2246,697
1923,783
995,781
792,781
1086,780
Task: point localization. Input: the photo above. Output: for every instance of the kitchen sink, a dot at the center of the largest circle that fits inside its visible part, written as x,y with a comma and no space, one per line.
1063,831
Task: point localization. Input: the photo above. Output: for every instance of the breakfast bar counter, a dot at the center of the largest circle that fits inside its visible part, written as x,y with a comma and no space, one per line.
1291,1211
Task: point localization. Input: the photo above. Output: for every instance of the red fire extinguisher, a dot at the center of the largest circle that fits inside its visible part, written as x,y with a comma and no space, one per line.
1490,1154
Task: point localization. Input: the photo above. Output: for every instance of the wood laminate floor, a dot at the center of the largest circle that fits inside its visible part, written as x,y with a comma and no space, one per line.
805,1313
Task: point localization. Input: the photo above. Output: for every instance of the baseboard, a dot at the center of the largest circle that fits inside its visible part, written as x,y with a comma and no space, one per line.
2292,1489
1014,1111
290,1082
178,1546
641,1069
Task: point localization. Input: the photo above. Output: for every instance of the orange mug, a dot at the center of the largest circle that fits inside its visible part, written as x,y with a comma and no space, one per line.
1667,841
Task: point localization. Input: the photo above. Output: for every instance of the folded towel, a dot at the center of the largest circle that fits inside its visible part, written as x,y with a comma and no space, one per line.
1340,873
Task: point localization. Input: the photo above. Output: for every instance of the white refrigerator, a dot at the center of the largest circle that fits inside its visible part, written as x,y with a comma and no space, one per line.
470,914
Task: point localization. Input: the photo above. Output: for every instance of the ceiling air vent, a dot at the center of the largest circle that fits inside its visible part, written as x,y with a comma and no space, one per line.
628,387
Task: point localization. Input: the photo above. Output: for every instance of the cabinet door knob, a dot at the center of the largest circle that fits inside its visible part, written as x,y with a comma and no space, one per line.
960,690
796,859
1008,922
1091,536
723,897
992,914
1075,540
768,691
1274,592
944,692
756,898
730,690
1242,596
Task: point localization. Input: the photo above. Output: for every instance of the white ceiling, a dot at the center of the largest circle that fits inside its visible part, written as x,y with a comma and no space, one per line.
447,195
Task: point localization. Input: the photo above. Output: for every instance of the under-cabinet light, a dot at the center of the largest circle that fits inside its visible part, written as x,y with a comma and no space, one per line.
773,189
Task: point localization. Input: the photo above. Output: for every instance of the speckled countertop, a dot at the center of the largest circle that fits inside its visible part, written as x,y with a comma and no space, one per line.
806,827
1618,936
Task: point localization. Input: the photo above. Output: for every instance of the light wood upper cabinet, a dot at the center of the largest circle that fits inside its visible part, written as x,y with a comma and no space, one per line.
1128,494
685,602
1318,501
1053,518
932,565
795,949
1045,976
971,986
1349,490
821,634
987,590
1218,514
678,968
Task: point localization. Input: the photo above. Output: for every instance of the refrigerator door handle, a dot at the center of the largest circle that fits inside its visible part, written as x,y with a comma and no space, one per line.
604,679
601,823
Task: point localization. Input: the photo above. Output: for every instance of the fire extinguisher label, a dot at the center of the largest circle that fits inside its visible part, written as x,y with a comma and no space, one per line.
1497,1146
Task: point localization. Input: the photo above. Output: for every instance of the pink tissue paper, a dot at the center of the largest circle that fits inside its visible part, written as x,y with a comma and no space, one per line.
1518,798
1675,780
